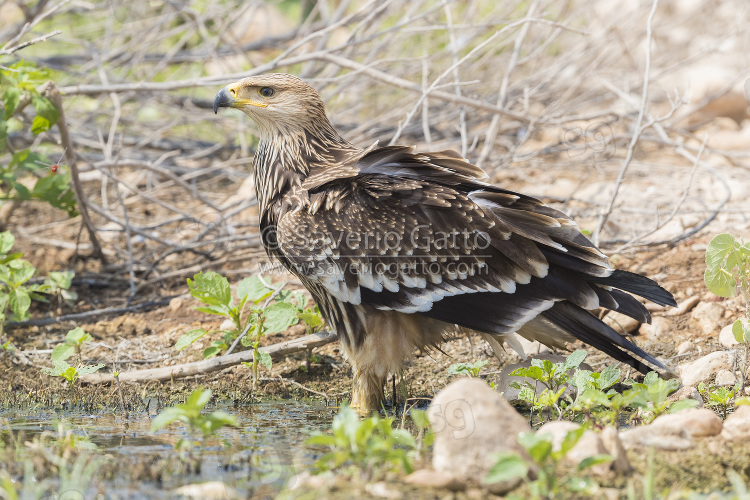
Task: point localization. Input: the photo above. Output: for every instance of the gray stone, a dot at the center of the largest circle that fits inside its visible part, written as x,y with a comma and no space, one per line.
737,425
703,369
472,422
726,337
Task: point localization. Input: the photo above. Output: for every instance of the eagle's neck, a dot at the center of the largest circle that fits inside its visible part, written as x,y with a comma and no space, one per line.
285,157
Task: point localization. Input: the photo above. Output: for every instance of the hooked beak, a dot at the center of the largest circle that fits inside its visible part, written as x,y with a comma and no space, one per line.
225,99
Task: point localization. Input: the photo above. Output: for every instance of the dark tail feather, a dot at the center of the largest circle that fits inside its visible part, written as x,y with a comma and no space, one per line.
588,328
639,285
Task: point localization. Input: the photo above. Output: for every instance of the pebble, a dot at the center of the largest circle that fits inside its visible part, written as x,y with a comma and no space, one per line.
725,378
685,347
708,315
430,478
472,422
175,304
737,425
698,422
621,323
703,369
686,392
685,306
659,325
209,490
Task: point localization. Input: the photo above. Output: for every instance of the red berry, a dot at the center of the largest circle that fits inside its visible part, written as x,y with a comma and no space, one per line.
54,168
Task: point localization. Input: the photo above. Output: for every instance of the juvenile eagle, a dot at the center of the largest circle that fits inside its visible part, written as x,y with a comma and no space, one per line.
401,249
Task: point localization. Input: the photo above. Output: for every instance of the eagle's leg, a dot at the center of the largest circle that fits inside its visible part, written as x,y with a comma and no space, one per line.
367,392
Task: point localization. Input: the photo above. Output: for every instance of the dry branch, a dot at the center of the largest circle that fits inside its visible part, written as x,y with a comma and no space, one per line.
210,365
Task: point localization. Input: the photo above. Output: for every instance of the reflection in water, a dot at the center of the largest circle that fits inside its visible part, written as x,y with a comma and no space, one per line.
266,450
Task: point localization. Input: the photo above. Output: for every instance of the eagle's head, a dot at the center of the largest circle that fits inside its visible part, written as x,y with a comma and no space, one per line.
277,102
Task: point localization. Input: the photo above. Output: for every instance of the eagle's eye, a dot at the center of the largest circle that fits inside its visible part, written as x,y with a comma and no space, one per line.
266,91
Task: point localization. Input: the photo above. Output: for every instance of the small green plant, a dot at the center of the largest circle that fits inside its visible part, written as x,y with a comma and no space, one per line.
189,413
20,86
470,369
548,484
16,293
370,446
73,341
257,310
553,376
595,399
718,397
728,270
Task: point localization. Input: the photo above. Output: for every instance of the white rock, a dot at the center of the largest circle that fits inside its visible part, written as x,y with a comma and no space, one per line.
662,438
658,327
686,392
726,337
227,325
702,369
700,422
505,379
685,347
471,422
725,378
708,315
737,425
430,478
208,491
382,490
621,323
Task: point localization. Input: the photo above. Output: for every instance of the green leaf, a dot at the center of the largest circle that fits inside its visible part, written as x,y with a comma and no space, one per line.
215,421
609,377
279,316
265,359
570,440
538,447
11,98
55,190
420,418
19,302
189,338
61,352
198,399
594,460
738,330
86,369
508,466
78,336
253,289
574,360
61,279
47,114
210,352
7,240
166,417
311,319
211,288
718,249
720,282
682,404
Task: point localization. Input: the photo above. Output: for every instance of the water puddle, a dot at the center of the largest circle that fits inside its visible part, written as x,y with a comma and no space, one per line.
261,454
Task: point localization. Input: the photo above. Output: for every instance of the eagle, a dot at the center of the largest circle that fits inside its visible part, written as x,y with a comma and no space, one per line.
402,249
